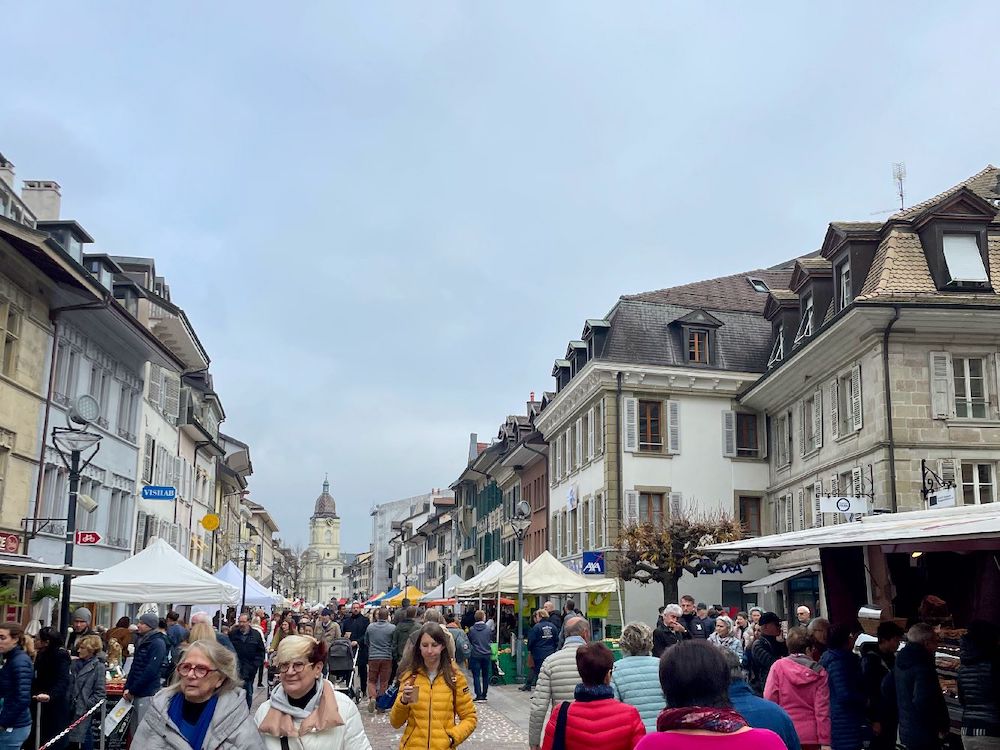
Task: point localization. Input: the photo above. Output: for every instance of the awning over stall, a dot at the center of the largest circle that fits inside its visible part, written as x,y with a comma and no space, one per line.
768,582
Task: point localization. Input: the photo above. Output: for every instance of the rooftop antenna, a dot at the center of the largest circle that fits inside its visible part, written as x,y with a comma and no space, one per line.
899,175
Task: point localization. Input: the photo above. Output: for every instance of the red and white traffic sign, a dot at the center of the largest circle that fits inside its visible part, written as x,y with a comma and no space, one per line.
88,537
9,542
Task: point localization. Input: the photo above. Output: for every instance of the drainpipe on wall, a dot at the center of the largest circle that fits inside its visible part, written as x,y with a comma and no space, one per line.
893,500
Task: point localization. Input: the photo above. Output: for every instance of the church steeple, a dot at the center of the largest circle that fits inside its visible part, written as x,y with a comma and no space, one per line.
326,507
326,484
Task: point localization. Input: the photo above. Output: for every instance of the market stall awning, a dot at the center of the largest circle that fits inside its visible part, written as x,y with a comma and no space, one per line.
546,575
975,524
11,564
768,582
412,593
256,594
471,587
449,589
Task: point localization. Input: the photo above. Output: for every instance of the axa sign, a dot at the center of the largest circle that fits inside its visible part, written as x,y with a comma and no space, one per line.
593,563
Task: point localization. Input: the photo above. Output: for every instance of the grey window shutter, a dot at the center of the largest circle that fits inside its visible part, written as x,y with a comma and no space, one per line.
948,469
676,504
817,418
835,408
600,433
789,512
729,433
803,448
857,481
631,424
856,396
673,426
579,443
817,505
147,459
631,510
592,521
559,456
801,497
591,418
171,396
942,401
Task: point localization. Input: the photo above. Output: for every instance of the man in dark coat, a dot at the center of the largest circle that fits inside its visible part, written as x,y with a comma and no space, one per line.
923,713
250,652
52,680
407,624
543,639
354,628
143,679
877,661
766,650
81,626
555,619
669,630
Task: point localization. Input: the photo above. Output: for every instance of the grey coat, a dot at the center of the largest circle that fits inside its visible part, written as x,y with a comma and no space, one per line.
557,681
87,687
231,727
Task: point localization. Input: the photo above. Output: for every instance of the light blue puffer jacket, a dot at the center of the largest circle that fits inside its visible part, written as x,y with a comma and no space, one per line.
636,681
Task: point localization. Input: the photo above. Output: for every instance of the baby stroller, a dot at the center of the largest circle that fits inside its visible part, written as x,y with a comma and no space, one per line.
341,662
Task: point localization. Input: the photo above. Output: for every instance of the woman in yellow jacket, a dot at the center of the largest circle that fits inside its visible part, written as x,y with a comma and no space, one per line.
432,693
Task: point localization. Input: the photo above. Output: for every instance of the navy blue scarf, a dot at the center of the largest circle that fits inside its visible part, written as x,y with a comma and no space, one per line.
585,693
193,733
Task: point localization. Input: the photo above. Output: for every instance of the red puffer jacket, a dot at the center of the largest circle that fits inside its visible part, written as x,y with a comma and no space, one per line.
607,724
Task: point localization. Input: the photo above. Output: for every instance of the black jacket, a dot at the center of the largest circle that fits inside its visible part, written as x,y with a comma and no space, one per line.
15,687
664,638
555,619
356,625
766,650
847,699
979,689
144,675
543,638
249,651
923,714
875,668
52,678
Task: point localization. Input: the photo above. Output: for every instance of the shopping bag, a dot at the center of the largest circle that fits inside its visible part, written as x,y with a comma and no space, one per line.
118,713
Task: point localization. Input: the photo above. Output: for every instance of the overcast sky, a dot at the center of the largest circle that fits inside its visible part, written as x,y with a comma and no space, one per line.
386,220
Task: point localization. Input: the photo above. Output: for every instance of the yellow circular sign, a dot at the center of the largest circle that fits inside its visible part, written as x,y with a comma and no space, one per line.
210,522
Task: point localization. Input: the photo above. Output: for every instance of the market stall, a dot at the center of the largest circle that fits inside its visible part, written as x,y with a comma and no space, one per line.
412,593
448,587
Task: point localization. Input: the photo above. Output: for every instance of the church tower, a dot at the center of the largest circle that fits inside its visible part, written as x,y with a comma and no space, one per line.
324,569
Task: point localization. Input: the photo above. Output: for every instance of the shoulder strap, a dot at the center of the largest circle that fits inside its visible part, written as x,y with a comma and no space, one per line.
559,741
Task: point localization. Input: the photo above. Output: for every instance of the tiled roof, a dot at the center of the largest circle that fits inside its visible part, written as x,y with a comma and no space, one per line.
811,262
641,333
784,294
732,293
986,184
856,226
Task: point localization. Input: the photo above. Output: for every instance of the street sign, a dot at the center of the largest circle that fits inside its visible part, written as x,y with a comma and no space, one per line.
88,537
942,498
210,522
9,542
151,492
841,504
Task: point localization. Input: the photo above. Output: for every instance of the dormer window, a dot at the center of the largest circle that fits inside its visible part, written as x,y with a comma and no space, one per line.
698,346
806,322
758,285
778,350
845,294
963,259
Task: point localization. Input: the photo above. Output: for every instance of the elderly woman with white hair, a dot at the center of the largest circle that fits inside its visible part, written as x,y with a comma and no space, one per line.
725,636
635,678
304,711
204,709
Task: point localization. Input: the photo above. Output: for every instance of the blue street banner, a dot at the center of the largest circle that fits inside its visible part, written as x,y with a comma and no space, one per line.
151,492
593,563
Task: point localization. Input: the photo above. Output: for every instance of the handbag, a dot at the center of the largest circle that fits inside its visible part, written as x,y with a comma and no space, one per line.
559,740
384,702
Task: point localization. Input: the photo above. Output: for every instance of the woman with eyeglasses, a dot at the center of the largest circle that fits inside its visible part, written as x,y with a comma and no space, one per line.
304,711
204,709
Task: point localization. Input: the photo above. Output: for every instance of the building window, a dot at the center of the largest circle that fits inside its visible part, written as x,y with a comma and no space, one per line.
846,294
698,346
750,515
651,508
963,259
778,350
806,322
758,285
970,387
10,333
977,483
746,435
846,402
650,432
782,455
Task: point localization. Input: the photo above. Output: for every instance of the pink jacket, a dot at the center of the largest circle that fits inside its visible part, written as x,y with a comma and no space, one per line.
798,685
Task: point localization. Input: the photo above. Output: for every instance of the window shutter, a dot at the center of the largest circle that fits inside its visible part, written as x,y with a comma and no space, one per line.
676,504
567,454
801,497
631,510
631,424
777,515
579,443
147,459
817,418
603,519
155,384
171,396
817,512
729,433
803,448
140,532
835,408
592,522
557,534
942,402
834,491
559,456
174,534
673,426
600,428
856,396
789,512
552,463
948,471
857,481
579,527
591,426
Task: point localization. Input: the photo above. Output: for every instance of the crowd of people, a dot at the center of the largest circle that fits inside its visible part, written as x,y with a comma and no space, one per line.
698,679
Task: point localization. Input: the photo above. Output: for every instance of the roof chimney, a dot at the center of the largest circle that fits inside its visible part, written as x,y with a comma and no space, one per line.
42,197
6,172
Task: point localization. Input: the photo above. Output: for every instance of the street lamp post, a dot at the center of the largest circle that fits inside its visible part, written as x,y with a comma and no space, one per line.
245,512
74,442
520,523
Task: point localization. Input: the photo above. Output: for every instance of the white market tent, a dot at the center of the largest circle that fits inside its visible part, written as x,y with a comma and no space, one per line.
157,574
257,595
450,584
546,575
472,586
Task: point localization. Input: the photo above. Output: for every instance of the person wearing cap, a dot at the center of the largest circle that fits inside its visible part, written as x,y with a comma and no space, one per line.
765,651
82,619
143,679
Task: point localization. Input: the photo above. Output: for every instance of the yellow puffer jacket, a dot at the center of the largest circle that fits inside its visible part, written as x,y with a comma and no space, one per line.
430,720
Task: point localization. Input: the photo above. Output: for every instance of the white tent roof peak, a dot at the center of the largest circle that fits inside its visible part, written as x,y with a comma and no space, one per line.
157,574
257,595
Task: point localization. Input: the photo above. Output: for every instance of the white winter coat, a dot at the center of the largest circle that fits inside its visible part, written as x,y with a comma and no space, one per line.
350,736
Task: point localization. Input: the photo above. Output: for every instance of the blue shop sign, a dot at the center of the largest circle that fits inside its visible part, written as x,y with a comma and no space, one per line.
151,492
593,563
